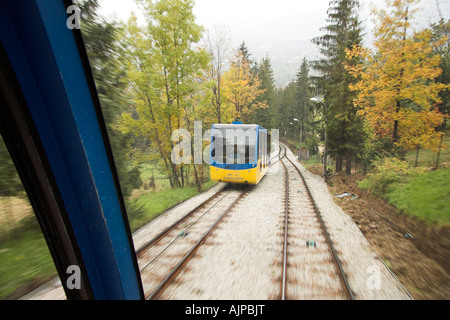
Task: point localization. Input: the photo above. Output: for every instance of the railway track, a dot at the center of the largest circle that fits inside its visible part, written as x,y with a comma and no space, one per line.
275,246
162,258
286,229
311,268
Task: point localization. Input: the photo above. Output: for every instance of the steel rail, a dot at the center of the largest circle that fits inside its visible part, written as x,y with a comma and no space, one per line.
190,225
163,233
342,276
285,243
156,293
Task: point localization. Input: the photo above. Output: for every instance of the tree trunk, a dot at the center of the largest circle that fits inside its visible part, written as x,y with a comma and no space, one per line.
348,162
174,173
365,166
439,151
417,155
338,163
182,175
395,132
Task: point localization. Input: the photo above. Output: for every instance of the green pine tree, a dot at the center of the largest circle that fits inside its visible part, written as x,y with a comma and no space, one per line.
264,116
344,128
305,109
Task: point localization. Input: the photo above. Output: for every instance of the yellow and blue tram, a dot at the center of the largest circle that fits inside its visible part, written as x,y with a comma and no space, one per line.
53,126
240,153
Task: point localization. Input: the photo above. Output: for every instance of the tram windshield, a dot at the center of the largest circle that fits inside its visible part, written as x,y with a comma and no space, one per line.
234,145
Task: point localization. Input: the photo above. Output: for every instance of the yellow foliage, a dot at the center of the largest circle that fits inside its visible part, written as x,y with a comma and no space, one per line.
241,88
396,81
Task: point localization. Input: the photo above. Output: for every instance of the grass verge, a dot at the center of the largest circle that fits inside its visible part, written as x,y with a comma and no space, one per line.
151,204
425,195
24,259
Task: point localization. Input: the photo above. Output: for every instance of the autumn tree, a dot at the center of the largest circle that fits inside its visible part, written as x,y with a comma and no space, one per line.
164,68
397,93
439,31
241,89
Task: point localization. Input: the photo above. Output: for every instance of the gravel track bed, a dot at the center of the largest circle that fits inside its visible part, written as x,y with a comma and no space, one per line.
369,278
157,261
163,221
53,290
311,272
242,258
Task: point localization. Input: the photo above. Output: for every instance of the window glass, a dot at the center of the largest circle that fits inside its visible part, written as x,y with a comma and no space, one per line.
233,145
25,260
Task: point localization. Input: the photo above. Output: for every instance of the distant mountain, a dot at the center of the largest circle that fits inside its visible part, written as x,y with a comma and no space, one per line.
285,56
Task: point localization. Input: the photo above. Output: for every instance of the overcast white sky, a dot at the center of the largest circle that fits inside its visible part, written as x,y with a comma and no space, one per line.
268,25
249,16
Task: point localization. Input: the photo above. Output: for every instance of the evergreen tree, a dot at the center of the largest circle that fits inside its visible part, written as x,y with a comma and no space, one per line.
343,31
247,57
304,112
275,111
285,109
264,116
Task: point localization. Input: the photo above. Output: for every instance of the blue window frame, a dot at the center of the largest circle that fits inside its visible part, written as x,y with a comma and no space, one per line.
49,70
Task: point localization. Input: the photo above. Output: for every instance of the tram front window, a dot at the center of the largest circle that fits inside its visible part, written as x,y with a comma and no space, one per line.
233,145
